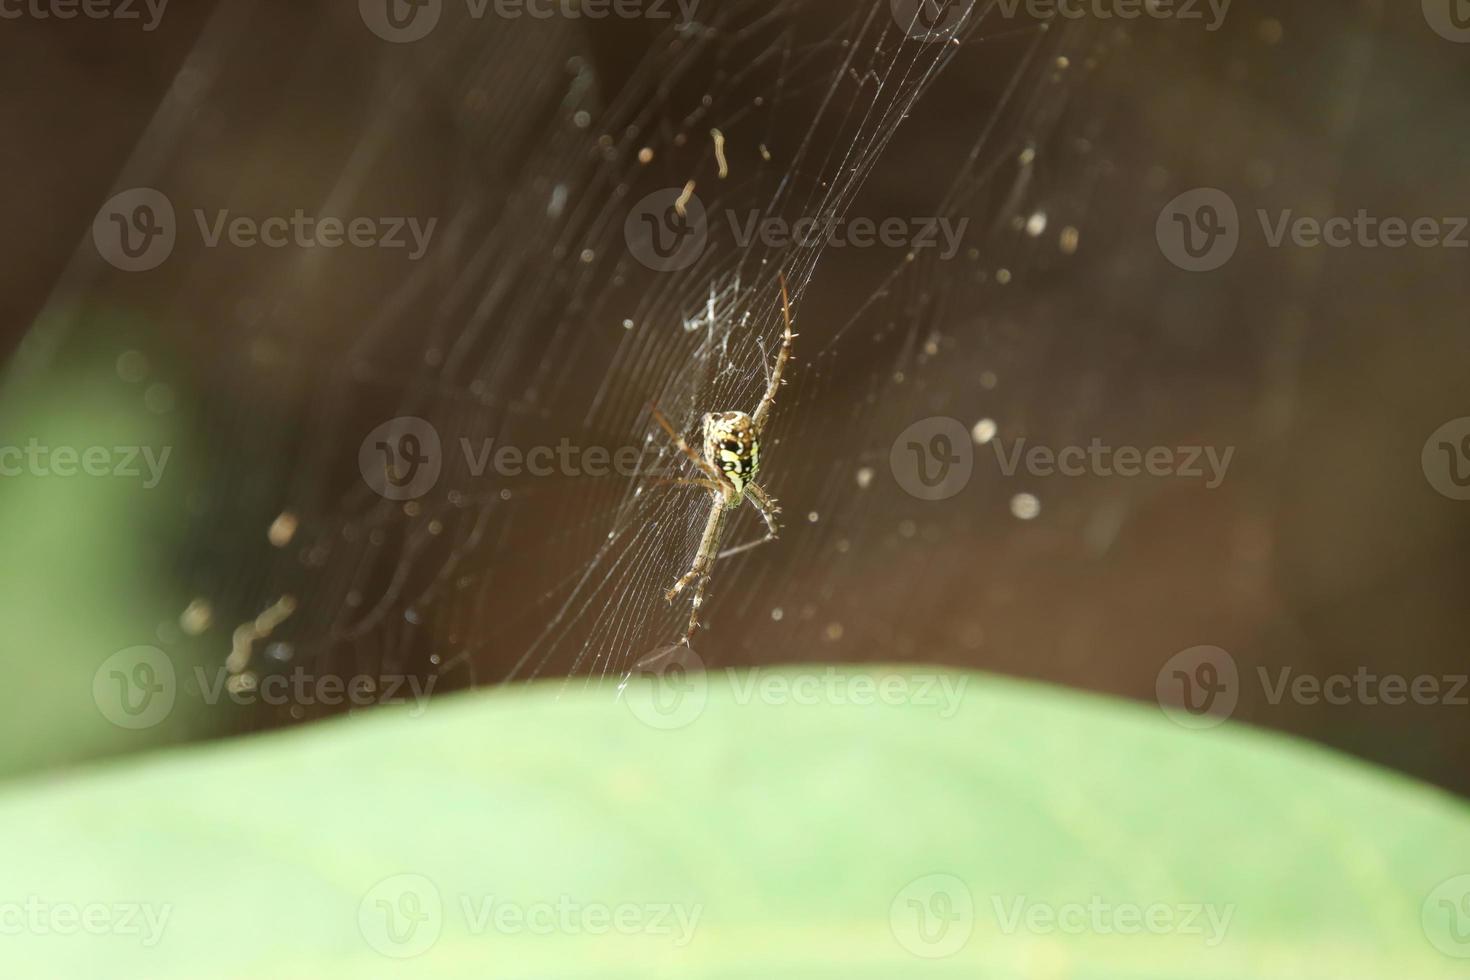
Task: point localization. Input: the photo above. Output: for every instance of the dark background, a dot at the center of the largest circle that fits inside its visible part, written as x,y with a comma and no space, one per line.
1326,550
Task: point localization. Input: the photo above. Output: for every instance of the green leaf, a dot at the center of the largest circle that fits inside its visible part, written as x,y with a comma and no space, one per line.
787,824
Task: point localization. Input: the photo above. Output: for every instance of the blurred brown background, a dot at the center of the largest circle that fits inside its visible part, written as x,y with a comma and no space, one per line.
1326,550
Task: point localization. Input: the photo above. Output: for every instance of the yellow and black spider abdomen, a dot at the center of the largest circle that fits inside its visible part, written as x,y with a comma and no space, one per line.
730,443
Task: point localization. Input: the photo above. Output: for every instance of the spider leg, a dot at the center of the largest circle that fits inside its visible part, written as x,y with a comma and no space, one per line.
782,356
769,510
704,465
706,484
700,571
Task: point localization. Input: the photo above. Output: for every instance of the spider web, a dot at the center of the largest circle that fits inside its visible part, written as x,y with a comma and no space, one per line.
531,321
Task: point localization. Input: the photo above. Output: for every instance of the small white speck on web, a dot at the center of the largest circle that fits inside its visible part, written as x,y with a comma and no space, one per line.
1025,506
988,380
984,431
282,529
833,632
865,477
778,614
1036,224
813,517
196,618
627,324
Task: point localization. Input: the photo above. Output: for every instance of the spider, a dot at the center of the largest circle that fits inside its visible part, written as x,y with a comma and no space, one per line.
732,455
